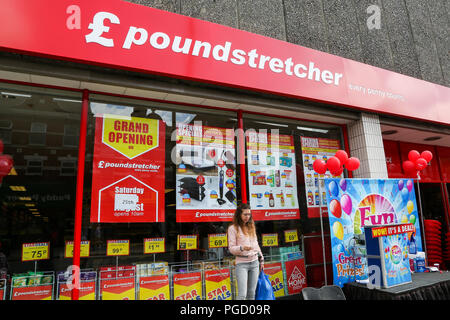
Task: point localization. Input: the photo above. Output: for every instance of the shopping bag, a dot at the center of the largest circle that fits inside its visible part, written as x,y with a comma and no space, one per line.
264,290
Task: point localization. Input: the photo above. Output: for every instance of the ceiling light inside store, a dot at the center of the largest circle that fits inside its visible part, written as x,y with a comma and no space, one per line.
25,198
273,124
17,188
30,205
313,129
432,138
16,94
66,100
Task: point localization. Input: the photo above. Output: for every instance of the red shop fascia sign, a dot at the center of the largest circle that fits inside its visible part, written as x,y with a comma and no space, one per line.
118,34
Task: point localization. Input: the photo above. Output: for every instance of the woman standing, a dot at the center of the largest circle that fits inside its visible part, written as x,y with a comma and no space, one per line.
243,244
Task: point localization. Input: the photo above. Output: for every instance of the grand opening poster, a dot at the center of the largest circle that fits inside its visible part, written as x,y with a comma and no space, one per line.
272,176
128,170
206,174
355,203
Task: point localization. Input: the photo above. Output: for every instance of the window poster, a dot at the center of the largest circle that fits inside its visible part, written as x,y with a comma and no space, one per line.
128,170
206,174
272,176
312,149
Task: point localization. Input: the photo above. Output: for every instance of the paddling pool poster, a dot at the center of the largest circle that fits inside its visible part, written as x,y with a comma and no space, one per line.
355,203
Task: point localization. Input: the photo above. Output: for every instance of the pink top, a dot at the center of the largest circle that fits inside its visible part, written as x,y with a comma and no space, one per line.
236,240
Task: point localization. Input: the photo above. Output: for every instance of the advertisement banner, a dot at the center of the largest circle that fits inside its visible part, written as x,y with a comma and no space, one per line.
128,170
118,289
154,288
355,203
396,262
218,284
43,292
295,275
272,176
86,291
206,174
312,149
187,286
275,273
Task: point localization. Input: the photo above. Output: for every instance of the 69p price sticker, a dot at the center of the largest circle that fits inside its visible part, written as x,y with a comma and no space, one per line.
118,248
35,251
270,239
291,235
154,245
217,240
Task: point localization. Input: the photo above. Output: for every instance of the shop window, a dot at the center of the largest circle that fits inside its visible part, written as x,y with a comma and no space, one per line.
37,202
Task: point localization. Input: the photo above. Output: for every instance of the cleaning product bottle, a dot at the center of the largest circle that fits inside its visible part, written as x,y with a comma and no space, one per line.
271,200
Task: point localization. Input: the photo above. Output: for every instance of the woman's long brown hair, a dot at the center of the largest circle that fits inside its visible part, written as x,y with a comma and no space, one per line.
238,222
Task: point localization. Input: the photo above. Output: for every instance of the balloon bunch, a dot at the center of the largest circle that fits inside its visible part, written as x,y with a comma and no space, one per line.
416,162
6,163
335,164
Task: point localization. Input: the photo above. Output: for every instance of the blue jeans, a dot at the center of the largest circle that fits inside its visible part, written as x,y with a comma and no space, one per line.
247,278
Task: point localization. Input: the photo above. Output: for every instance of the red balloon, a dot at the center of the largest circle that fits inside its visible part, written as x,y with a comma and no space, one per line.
352,164
333,164
427,155
342,156
337,172
408,166
421,164
335,208
6,163
319,166
413,155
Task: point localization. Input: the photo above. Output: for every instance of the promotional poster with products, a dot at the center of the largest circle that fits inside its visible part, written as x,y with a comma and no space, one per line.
272,176
356,203
206,174
312,149
128,170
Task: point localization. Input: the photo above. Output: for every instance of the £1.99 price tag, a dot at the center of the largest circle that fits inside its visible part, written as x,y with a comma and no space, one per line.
154,245
118,248
270,239
290,235
217,240
35,251
187,242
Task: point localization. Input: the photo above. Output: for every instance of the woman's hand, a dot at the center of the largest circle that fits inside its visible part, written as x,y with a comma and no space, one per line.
247,248
261,266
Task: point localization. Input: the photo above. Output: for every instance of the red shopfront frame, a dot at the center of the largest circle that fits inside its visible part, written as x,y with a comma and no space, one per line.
128,36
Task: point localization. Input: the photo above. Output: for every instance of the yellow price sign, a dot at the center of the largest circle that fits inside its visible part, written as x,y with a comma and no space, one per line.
291,235
84,249
270,239
118,248
217,240
154,245
35,251
187,242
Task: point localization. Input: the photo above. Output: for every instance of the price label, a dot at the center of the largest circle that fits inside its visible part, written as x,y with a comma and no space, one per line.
154,245
118,248
187,242
217,240
270,239
84,249
291,235
35,251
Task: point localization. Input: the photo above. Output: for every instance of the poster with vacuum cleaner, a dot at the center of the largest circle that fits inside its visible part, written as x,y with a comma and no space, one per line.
312,149
272,176
128,178
357,203
206,174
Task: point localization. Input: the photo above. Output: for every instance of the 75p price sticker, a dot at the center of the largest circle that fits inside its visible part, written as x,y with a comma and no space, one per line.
35,251
290,235
270,239
154,245
118,248
217,240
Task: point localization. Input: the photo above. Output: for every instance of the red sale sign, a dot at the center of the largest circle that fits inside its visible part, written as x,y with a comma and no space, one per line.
295,275
128,170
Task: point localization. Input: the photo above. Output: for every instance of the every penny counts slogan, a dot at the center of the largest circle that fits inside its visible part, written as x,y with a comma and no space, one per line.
128,170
